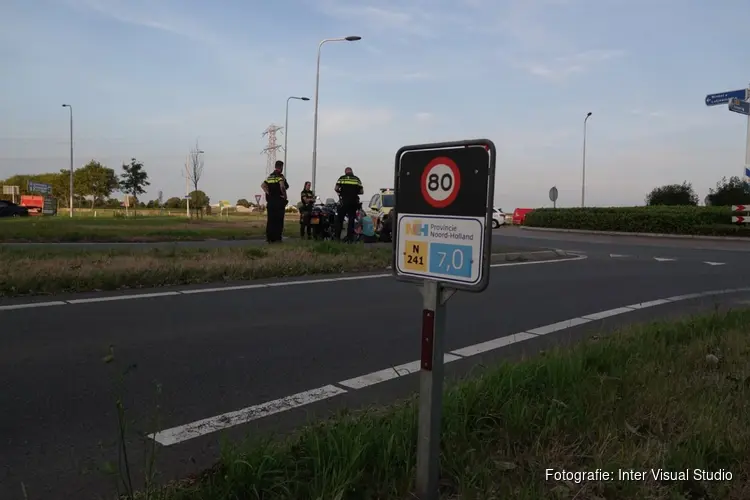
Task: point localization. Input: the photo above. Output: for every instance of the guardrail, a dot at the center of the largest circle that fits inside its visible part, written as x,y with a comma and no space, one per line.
741,219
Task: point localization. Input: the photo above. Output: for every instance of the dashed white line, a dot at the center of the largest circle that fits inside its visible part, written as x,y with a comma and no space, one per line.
206,426
32,304
115,298
714,263
664,259
122,297
175,435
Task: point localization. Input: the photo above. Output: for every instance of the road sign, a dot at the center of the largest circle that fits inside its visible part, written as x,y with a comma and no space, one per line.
724,97
738,106
11,190
444,197
443,202
740,208
257,199
441,182
741,219
39,187
553,194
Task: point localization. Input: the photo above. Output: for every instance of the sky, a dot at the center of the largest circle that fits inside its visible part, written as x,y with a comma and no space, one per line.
150,78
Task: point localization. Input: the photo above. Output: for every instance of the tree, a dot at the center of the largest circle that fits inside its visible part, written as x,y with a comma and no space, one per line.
96,180
242,202
729,192
673,194
133,179
195,169
198,201
173,202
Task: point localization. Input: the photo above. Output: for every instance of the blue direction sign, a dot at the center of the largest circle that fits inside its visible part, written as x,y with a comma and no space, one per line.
39,187
724,97
738,106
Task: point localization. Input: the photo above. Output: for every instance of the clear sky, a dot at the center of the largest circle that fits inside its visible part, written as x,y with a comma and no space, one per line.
146,78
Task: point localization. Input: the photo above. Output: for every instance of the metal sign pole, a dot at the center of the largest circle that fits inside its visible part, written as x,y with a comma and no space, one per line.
430,391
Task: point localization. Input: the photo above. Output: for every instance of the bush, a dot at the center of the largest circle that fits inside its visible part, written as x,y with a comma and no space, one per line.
673,194
657,219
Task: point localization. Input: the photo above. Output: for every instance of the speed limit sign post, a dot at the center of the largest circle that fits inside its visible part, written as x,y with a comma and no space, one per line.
443,242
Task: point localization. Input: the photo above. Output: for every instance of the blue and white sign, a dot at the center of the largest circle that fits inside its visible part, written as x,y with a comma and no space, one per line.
38,187
724,97
738,106
446,249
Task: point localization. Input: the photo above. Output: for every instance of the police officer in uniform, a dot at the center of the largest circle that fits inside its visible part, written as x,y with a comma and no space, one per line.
349,188
308,200
275,187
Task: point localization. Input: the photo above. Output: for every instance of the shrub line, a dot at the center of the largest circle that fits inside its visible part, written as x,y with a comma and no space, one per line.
627,233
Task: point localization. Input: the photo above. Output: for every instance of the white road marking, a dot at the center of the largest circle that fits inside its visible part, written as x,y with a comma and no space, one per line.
32,304
174,435
714,263
616,255
122,297
663,259
493,344
608,313
201,427
115,298
556,327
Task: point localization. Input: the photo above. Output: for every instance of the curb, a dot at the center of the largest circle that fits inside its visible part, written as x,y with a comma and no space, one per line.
551,254
647,235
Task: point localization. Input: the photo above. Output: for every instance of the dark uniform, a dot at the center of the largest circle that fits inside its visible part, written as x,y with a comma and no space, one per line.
349,188
275,186
308,199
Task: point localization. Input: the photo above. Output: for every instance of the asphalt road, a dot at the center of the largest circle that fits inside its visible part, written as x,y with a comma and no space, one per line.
216,352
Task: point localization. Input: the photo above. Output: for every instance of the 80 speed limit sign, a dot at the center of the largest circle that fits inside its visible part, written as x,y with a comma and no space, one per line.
441,181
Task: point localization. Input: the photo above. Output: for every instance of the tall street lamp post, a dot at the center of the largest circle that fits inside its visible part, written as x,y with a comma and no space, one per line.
71,156
583,178
286,127
315,119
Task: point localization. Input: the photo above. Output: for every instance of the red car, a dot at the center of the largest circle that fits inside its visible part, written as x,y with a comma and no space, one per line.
519,215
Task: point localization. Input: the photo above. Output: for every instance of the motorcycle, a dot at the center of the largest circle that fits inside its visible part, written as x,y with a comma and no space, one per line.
322,220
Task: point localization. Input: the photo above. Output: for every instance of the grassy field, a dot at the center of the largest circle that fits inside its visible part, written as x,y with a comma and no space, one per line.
26,271
140,229
669,396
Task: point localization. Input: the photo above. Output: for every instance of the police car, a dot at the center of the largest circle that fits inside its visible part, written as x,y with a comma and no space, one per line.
380,206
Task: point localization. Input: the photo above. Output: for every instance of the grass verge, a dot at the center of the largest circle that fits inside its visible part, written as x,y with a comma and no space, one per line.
140,229
670,396
26,271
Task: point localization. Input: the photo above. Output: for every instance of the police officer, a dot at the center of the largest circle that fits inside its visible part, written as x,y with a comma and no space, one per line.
349,187
275,187
308,200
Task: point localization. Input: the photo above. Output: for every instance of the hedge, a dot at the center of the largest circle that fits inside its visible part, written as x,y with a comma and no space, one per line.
714,221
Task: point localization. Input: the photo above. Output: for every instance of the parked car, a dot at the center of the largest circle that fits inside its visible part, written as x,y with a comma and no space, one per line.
498,217
380,206
519,215
10,209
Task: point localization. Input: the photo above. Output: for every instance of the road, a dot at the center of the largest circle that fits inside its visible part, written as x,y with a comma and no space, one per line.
220,351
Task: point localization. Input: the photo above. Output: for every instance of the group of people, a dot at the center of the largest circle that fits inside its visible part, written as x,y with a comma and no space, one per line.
349,188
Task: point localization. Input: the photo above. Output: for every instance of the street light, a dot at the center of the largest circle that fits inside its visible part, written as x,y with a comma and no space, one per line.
286,127
583,179
71,156
315,119
187,182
